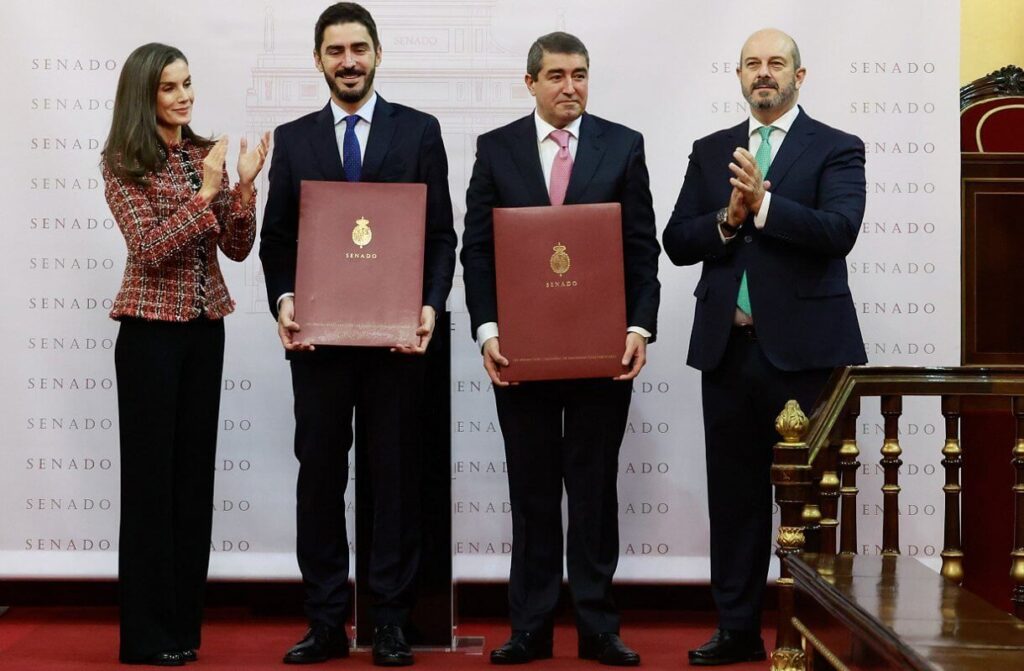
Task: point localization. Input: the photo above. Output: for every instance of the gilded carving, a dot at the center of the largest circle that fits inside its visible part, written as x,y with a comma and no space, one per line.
792,423
791,537
788,659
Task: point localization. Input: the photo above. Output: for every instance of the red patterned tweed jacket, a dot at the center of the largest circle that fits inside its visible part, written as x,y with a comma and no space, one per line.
164,225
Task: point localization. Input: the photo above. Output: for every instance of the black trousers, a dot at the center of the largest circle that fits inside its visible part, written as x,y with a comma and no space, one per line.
742,397
384,389
168,397
563,433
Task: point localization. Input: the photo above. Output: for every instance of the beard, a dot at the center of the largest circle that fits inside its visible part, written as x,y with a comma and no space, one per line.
781,98
346,94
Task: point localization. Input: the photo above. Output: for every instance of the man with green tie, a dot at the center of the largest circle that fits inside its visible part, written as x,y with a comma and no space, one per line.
770,208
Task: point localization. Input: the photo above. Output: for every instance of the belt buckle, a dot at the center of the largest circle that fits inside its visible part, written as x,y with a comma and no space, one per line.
746,331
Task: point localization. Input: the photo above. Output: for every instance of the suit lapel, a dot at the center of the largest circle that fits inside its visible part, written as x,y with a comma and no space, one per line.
717,178
382,129
325,145
798,139
738,136
527,160
589,152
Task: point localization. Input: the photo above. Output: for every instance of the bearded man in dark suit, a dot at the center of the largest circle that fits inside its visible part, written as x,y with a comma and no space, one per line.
357,136
770,208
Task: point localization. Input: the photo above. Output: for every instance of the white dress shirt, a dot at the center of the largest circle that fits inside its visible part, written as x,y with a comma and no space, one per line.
780,129
365,114
547,148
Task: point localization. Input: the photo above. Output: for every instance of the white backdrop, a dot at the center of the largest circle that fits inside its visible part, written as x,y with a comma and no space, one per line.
886,71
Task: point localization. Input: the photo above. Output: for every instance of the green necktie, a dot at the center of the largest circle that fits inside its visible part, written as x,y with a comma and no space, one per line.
763,159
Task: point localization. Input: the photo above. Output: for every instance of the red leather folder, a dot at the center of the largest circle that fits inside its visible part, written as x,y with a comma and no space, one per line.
359,279
561,291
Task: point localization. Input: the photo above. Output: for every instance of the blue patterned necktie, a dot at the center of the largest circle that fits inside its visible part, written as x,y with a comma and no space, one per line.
763,159
350,150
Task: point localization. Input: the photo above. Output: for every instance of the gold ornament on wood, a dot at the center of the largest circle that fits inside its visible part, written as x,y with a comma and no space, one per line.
792,423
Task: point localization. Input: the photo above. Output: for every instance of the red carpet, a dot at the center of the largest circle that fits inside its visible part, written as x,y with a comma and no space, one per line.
73,639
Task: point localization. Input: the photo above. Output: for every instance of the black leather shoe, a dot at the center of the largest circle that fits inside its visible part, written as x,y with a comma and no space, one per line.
189,655
729,647
389,646
318,645
608,649
159,659
523,647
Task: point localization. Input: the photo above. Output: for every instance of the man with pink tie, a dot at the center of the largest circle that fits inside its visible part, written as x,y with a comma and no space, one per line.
564,432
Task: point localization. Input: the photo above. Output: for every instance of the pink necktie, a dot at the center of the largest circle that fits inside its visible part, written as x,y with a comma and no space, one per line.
561,169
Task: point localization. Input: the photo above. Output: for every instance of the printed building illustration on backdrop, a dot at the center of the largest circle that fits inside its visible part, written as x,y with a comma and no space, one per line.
439,58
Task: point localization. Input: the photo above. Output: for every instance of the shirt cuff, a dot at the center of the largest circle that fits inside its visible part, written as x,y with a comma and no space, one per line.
641,330
485,332
287,294
761,218
721,234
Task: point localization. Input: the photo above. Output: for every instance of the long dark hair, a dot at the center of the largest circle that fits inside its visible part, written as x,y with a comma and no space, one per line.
134,148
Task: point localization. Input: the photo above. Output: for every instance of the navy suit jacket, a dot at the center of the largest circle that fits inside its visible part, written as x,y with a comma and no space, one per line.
609,167
404,146
796,268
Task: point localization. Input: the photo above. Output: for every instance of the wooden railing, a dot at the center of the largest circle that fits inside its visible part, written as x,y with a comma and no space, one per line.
815,472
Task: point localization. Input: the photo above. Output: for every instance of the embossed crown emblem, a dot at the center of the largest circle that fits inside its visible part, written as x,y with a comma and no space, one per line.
560,261
361,234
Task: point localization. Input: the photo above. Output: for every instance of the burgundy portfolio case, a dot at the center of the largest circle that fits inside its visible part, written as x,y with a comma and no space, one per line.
561,291
359,279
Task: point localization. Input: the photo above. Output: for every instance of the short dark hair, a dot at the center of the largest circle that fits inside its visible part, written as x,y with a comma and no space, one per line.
344,12
134,149
553,43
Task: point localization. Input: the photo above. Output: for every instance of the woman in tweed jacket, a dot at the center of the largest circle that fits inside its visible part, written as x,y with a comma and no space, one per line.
169,193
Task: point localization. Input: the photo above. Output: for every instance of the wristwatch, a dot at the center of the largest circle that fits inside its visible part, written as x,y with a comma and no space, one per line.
722,219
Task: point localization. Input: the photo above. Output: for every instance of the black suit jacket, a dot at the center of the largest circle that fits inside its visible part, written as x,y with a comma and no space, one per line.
609,167
404,146
795,265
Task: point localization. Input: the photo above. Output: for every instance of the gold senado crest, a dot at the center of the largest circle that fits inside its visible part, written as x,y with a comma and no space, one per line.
560,261
361,234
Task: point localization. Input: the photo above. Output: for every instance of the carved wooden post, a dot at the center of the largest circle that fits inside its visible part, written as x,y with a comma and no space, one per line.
892,408
848,466
791,476
828,492
1017,561
952,553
